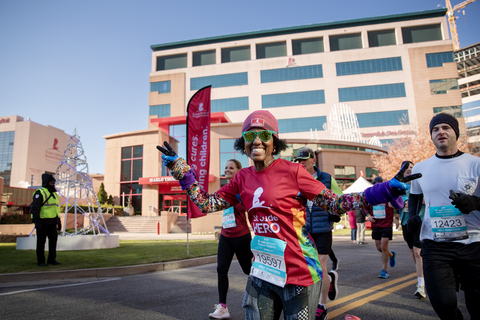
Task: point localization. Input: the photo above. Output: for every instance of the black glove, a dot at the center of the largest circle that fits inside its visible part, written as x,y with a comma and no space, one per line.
169,155
465,203
398,183
335,218
38,225
414,223
59,224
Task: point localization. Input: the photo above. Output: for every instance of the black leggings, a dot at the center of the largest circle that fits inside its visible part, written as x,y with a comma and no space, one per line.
226,248
332,256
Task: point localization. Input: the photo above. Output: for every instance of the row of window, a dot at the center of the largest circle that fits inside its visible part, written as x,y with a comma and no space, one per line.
302,46
6,154
456,111
471,112
441,86
471,105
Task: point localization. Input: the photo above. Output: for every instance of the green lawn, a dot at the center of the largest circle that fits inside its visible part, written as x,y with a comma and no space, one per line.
130,252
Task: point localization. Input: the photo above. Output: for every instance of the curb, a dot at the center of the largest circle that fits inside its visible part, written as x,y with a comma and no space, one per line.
105,272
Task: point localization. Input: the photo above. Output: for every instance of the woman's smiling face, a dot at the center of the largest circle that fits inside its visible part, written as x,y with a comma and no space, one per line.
230,169
259,150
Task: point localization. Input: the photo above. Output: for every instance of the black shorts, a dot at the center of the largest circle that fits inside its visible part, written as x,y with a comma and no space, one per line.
323,241
446,265
379,233
412,239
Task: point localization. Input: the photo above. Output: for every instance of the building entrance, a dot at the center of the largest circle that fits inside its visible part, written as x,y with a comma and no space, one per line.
174,202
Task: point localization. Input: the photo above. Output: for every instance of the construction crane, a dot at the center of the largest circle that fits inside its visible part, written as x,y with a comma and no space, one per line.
452,18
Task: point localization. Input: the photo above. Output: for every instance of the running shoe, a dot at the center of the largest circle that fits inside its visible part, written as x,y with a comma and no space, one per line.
333,291
393,261
219,313
335,265
321,314
384,274
420,293
364,243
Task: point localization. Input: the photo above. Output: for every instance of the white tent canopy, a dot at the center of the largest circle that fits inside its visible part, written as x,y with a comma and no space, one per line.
358,186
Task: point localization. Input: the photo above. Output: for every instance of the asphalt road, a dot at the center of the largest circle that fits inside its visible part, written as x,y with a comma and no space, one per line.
190,293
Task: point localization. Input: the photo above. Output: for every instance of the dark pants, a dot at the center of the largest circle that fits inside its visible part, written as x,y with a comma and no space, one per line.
226,248
50,231
448,266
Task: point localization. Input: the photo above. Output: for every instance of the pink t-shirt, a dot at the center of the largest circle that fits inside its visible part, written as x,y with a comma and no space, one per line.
273,210
352,220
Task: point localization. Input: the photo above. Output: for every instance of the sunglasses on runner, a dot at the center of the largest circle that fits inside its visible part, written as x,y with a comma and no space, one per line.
264,135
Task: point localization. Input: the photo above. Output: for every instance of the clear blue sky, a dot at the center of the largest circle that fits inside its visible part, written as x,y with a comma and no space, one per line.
86,64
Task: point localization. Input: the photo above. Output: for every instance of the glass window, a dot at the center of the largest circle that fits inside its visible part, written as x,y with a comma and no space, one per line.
439,58
344,176
230,104
371,173
6,153
235,54
126,153
220,81
161,111
369,66
422,33
384,91
160,87
137,151
172,62
381,38
306,46
471,105
271,50
301,124
227,152
293,99
385,118
288,74
442,86
126,170
455,111
204,58
346,42
132,168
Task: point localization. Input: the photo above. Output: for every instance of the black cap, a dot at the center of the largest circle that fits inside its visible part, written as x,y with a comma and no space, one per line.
305,153
377,180
445,118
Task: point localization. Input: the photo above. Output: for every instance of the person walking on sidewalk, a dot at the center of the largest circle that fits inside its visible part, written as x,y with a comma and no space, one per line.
413,239
235,239
320,226
381,217
353,226
360,220
46,217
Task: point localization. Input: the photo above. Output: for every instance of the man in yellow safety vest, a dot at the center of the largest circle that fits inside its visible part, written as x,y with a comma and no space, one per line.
46,216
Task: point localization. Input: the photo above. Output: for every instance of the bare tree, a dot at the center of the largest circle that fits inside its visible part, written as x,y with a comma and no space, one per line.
415,148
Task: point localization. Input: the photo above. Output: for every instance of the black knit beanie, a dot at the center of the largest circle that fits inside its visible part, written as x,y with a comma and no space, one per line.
445,118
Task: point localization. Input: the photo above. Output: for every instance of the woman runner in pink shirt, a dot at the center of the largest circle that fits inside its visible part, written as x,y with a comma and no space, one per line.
286,274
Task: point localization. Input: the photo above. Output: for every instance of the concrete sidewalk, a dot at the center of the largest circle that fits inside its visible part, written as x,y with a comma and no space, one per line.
119,271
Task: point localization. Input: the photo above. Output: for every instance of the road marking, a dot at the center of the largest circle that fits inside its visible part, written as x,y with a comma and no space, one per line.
63,286
372,297
369,290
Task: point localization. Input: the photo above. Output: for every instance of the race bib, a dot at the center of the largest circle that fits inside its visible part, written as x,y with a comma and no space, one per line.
228,219
379,212
448,224
269,264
